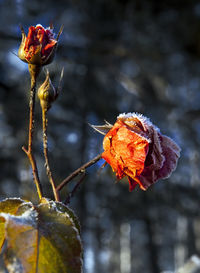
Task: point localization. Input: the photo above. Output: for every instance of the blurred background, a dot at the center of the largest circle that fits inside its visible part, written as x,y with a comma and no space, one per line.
119,56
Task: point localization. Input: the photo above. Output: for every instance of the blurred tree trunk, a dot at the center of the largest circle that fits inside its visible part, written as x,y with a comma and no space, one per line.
152,247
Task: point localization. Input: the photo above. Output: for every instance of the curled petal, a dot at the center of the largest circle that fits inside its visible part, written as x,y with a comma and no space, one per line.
125,151
171,153
102,129
38,48
135,148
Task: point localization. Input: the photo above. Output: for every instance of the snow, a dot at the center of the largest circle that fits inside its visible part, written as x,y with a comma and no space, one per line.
146,121
14,266
28,217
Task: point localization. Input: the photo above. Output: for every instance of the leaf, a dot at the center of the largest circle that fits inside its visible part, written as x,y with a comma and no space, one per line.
64,209
44,238
11,206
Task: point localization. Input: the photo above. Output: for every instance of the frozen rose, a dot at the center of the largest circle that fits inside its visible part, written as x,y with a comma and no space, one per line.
135,148
38,47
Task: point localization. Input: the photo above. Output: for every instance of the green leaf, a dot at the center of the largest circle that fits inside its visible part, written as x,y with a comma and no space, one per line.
45,238
64,209
10,206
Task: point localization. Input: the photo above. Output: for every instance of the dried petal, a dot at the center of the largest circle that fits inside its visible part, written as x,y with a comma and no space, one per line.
38,47
102,129
135,148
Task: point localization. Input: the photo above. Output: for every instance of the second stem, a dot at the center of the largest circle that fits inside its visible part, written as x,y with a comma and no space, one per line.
45,149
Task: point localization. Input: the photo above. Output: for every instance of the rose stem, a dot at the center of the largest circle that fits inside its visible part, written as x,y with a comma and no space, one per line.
46,156
71,194
29,152
79,170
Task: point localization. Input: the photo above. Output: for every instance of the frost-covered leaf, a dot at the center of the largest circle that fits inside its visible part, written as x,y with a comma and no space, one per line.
64,209
45,238
10,206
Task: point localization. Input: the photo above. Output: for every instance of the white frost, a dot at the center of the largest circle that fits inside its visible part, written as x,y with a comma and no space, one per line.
14,266
51,36
39,25
28,217
12,198
144,120
146,123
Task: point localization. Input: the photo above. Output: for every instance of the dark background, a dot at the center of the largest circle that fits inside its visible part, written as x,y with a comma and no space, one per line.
119,56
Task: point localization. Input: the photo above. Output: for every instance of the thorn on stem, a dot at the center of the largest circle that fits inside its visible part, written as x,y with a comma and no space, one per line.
22,29
25,150
60,32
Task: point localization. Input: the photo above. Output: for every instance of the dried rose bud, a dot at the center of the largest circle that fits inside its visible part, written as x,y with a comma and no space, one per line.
38,47
47,94
135,148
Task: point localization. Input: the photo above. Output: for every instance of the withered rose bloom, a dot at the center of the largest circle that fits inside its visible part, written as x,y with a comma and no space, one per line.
135,148
38,47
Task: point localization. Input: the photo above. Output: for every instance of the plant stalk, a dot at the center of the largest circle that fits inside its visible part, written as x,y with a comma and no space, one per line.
29,151
46,156
78,171
71,194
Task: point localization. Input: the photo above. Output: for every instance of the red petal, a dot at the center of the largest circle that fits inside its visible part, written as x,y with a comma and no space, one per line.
132,184
125,151
134,147
38,36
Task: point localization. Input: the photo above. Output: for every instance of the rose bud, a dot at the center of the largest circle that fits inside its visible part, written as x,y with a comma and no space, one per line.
135,148
47,94
38,47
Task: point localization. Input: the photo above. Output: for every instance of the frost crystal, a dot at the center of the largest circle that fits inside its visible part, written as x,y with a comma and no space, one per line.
144,120
14,266
29,217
